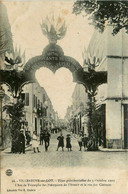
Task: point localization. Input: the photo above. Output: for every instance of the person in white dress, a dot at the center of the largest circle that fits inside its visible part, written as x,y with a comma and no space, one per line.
35,143
79,139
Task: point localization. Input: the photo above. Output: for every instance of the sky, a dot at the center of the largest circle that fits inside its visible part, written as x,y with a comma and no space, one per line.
25,18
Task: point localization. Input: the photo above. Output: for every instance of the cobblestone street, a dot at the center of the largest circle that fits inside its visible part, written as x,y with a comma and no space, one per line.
52,158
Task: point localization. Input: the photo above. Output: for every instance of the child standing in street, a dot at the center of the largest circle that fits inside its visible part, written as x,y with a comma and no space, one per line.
35,143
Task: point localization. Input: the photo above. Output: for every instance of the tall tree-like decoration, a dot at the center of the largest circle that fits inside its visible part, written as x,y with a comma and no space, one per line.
15,112
90,64
101,13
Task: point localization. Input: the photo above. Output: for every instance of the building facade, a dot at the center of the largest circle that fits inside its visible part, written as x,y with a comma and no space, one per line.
39,112
113,54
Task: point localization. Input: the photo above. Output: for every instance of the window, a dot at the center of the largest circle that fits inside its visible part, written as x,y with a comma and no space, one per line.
33,100
23,96
41,123
26,99
38,103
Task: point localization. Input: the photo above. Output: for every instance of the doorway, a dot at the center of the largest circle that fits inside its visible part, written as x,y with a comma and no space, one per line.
102,125
36,125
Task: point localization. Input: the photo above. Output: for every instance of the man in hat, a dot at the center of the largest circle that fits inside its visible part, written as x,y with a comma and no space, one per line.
21,141
60,142
47,140
41,137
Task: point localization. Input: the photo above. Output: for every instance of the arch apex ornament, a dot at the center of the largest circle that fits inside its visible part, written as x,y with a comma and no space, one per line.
53,29
53,56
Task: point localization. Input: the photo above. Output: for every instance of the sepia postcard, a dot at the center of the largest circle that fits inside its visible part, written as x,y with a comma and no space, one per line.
63,97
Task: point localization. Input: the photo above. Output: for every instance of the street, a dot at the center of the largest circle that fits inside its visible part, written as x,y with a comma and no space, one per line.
54,158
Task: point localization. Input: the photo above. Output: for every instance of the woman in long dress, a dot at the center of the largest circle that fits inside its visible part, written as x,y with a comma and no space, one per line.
68,142
79,139
35,143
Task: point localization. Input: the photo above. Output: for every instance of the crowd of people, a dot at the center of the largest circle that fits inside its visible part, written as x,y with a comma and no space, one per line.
26,140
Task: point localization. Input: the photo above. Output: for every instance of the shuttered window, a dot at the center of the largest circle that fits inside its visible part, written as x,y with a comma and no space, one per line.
33,100
26,99
36,102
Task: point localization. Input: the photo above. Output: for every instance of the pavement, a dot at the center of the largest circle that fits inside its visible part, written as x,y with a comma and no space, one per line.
112,150
75,158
